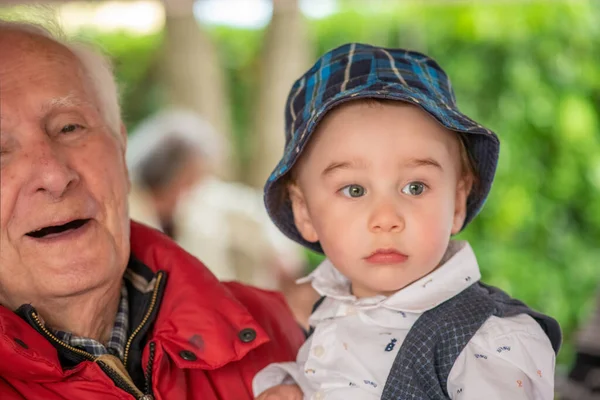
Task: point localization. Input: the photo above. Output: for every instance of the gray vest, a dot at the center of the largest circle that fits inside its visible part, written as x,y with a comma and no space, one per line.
423,363
421,367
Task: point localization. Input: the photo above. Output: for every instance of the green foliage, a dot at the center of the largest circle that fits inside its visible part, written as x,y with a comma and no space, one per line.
530,72
239,53
136,67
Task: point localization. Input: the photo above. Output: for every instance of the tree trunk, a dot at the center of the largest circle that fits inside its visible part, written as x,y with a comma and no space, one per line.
286,55
192,74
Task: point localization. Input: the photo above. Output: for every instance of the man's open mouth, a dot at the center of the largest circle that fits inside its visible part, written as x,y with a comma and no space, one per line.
52,230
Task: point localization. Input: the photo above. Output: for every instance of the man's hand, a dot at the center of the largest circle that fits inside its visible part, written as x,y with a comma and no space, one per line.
282,392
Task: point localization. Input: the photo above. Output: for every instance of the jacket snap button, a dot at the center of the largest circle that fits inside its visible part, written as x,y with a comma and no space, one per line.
187,355
247,335
21,343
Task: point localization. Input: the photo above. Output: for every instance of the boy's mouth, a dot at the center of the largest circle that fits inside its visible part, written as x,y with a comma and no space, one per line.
386,257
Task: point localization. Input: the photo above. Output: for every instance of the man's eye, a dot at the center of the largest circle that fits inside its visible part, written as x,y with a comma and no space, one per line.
414,188
353,191
70,128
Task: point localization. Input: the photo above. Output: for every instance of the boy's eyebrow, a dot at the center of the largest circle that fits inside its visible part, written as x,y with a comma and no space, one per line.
422,162
411,163
338,165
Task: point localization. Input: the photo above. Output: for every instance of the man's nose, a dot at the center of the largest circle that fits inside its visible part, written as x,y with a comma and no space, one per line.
51,172
386,217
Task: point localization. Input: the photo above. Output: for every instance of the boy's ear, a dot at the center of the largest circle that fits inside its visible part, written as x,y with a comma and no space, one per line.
302,217
463,189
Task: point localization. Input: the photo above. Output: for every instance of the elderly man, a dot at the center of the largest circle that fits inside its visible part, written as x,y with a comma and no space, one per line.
93,306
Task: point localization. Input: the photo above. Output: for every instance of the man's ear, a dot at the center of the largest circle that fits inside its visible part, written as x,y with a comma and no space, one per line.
123,137
302,217
463,189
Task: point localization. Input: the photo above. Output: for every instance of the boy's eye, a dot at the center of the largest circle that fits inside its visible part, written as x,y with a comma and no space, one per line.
353,191
414,188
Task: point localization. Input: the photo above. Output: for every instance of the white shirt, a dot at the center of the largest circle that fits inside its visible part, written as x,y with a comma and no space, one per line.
355,341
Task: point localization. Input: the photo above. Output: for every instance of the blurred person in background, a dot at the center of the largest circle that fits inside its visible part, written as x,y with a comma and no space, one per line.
166,156
172,157
93,305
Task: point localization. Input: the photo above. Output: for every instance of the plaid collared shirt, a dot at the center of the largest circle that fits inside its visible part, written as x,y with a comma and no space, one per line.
118,336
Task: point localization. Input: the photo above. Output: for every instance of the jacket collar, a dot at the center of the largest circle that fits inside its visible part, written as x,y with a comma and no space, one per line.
197,313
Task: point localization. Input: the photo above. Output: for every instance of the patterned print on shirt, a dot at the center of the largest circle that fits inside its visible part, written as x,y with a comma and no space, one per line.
370,383
519,383
391,345
503,348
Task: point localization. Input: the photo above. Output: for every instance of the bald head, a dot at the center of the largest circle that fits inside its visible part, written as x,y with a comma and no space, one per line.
26,44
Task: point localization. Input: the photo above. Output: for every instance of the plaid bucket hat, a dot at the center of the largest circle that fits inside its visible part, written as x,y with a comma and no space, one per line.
357,71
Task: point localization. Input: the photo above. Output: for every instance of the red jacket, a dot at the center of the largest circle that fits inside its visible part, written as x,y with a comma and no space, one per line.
194,305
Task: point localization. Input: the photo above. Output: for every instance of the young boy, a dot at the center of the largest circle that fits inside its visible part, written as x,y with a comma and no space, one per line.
380,170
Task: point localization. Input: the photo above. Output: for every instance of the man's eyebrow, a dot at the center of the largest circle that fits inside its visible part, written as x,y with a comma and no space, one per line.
341,165
70,100
422,162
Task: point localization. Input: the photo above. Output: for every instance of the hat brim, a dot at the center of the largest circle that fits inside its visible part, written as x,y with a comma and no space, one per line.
482,144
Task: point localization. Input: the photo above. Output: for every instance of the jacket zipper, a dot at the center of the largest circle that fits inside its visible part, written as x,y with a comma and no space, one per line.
56,340
113,375
159,277
148,387
120,381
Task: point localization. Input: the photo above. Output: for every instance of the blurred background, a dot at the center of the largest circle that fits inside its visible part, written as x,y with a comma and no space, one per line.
529,70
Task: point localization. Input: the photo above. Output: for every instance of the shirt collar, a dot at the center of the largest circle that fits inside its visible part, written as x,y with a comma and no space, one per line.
458,271
118,335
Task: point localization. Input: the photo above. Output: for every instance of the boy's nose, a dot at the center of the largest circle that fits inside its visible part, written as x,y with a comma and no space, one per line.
386,218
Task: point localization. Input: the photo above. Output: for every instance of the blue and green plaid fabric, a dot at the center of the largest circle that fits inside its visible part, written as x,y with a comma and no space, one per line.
118,336
355,71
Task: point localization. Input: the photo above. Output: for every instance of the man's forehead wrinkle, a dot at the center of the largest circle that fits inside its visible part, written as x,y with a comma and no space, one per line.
69,100
38,61
27,50
25,44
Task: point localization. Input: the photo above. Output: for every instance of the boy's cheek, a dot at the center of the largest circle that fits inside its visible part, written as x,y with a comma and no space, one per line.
343,226
432,221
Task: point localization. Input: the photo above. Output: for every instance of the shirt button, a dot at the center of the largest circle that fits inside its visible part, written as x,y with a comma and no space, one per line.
187,355
318,351
350,310
319,395
247,335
